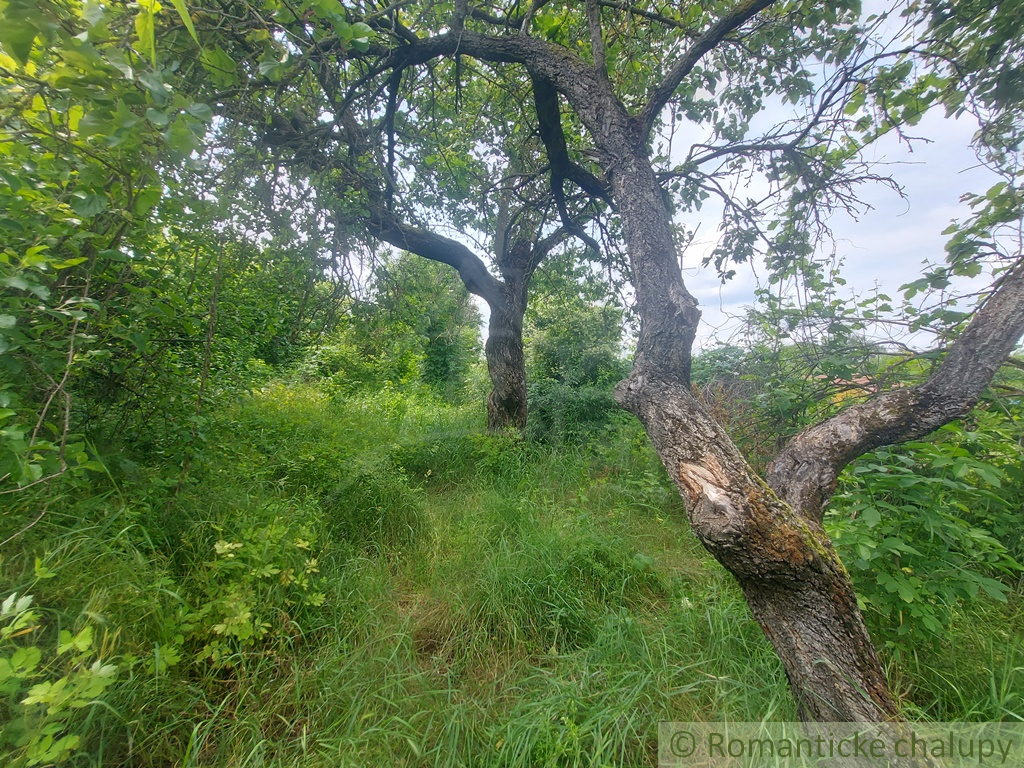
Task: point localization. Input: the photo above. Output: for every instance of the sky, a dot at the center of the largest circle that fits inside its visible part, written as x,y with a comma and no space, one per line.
884,247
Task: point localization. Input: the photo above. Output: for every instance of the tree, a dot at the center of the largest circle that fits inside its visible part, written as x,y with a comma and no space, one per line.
425,303
404,181
83,132
722,62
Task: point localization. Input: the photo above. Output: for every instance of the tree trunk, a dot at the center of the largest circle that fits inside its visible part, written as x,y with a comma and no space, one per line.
506,364
796,586
506,298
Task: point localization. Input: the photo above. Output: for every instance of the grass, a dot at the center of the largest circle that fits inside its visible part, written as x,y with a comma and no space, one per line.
373,581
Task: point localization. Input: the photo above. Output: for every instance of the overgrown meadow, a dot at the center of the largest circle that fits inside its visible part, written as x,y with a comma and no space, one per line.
249,512
356,574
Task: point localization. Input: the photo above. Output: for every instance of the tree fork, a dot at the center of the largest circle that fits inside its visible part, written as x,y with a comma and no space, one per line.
797,588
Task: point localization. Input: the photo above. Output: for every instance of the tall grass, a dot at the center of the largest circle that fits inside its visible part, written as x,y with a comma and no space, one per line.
372,580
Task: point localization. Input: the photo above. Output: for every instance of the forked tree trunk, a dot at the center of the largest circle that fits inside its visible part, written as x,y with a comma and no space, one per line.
794,582
796,586
791,576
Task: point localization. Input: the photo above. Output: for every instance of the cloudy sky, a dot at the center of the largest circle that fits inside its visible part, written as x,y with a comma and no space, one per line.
888,244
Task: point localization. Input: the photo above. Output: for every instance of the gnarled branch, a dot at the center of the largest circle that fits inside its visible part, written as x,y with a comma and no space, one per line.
805,472
385,226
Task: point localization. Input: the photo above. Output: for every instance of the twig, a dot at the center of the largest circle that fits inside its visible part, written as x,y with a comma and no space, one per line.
40,517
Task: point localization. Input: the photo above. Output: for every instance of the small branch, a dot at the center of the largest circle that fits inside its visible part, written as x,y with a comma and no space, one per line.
596,39
9,539
649,15
535,6
715,34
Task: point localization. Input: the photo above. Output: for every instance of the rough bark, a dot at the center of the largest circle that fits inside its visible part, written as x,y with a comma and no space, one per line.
789,571
792,578
506,364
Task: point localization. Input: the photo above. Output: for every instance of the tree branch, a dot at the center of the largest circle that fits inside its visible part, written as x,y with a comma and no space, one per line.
550,128
649,15
385,226
717,32
596,39
805,472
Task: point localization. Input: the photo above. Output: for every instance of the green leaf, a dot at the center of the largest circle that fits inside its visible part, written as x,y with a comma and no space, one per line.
145,28
871,517
88,204
94,123
155,87
994,589
25,660
68,263
145,201
157,118
80,642
201,111
272,70
17,282
220,66
17,37
179,6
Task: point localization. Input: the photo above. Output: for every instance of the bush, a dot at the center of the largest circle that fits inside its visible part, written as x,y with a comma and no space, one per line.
918,526
255,580
45,694
560,413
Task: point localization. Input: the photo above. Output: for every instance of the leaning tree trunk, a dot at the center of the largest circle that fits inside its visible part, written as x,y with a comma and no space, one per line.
771,538
796,586
792,578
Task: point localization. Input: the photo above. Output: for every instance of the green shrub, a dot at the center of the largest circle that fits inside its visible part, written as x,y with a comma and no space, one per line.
254,579
45,692
561,413
917,527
